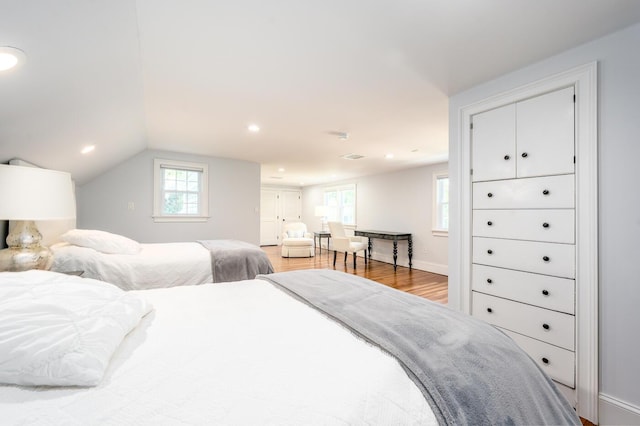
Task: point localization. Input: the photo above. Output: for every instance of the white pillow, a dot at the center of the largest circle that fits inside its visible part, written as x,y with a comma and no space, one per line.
101,241
295,233
61,330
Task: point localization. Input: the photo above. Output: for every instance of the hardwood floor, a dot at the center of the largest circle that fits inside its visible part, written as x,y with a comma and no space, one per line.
421,283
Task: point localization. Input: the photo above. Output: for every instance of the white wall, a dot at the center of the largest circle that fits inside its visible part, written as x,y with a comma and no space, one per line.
234,201
398,201
618,56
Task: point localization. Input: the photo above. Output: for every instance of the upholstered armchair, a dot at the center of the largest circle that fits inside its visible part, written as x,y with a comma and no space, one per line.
347,244
296,241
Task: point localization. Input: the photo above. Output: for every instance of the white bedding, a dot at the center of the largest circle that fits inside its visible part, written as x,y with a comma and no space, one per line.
239,353
156,266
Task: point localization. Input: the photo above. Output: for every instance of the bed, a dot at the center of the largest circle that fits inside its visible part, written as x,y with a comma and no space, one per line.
134,266
280,349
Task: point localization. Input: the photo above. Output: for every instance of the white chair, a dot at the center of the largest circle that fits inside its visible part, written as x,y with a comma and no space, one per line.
347,244
296,241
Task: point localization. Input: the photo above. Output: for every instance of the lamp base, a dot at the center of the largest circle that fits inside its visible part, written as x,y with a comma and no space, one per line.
25,251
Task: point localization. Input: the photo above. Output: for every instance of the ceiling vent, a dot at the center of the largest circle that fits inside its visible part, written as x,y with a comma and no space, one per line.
275,177
352,156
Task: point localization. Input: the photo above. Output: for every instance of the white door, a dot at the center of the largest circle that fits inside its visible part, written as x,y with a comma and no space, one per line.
291,204
545,134
493,144
269,217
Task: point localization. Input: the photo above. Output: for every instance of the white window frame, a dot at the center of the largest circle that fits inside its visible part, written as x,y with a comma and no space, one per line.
158,191
435,228
351,186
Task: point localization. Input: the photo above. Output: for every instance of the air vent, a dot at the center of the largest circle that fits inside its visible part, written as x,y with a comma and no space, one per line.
275,177
352,156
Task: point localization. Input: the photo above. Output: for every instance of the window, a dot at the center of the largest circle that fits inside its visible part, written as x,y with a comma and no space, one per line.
341,204
440,204
180,191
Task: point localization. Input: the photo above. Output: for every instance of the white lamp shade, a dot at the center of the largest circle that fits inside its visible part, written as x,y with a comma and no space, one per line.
30,193
321,211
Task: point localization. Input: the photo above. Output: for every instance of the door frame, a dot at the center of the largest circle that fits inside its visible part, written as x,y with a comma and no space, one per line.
584,79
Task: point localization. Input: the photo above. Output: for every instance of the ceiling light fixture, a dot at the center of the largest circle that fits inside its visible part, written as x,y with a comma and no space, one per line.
10,58
87,149
388,156
281,169
253,128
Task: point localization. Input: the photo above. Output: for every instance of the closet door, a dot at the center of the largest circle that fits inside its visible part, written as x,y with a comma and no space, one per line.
545,134
494,144
269,224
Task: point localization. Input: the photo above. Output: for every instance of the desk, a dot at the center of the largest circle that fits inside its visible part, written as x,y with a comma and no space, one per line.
320,235
385,235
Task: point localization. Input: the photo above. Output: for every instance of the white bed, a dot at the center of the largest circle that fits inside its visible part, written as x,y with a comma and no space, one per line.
249,353
134,266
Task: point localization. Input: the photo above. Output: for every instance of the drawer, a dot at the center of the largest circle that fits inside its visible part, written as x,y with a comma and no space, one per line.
548,292
550,192
555,226
529,256
558,363
542,324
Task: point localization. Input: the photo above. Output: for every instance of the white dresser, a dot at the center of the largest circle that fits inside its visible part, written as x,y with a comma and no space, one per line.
523,227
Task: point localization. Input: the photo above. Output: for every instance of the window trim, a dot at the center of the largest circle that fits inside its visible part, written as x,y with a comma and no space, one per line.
435,230
158,165
347,186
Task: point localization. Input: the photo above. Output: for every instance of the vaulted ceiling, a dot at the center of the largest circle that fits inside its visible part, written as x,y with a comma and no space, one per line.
191,75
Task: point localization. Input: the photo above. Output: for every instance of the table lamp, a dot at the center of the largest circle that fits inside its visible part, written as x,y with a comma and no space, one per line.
28,194
322,212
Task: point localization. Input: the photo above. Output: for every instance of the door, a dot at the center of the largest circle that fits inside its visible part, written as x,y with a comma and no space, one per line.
291,202
269,218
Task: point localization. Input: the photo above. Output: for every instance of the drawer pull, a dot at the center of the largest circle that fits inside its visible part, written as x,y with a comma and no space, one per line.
546,258
489,310
546,326
545,360
545,292
489,223
545,225
490,195
490,251
525,155
506,157
489,280
545,192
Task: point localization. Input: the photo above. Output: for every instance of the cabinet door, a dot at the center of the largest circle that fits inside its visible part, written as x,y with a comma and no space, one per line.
545,134
493,144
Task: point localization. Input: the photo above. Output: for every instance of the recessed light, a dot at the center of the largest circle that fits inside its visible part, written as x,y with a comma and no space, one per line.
10,57
87,149
388,156
253,128
281,169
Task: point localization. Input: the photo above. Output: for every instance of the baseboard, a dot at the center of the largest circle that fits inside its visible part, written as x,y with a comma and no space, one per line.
415,264
612,411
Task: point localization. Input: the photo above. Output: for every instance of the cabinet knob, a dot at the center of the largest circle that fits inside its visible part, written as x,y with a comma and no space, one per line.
545,192
506,157
545,360
545,292
546,258
490,251
525,155
489,223
490,195
546,326
489,310
489,280
545,225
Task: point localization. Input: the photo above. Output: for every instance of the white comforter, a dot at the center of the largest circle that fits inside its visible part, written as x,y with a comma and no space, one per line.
156,266
239,353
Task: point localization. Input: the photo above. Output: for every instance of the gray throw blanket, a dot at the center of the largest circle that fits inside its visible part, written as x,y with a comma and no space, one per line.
468,371
233,260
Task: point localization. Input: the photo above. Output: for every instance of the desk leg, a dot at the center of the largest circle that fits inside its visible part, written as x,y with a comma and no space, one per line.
369,245
395,255
410,251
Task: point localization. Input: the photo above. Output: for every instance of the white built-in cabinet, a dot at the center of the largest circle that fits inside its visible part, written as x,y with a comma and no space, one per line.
277,207
523,226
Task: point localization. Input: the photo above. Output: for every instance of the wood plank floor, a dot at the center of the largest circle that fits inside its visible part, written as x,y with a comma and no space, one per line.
421,283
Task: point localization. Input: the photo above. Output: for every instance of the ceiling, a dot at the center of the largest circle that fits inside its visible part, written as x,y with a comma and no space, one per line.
190,76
